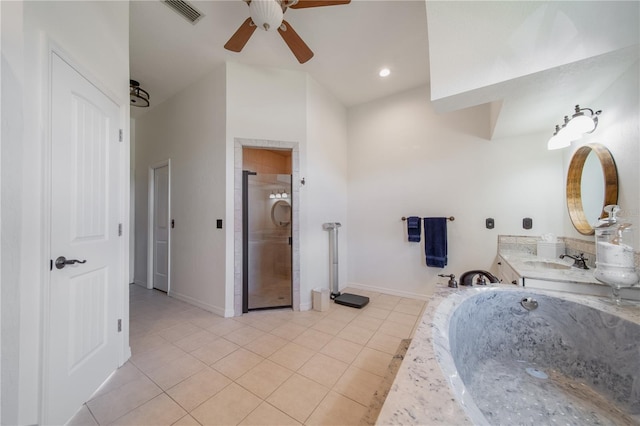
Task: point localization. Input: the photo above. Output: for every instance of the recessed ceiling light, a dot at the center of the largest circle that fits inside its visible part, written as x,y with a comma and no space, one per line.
384,72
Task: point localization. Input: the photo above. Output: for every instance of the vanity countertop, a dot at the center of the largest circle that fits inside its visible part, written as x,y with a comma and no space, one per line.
525,265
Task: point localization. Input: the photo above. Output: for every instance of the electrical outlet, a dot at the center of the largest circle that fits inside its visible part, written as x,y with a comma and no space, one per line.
527,223
490,223
219,223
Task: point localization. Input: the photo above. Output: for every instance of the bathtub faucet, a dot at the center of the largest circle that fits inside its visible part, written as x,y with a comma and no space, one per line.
578,261
467,278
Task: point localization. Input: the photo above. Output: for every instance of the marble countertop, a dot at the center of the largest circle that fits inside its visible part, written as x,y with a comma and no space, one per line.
522,263
421,394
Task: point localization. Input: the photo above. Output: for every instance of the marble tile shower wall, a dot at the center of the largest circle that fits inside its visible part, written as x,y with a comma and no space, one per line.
573,246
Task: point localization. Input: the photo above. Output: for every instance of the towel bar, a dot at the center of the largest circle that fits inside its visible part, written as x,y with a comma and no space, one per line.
451,218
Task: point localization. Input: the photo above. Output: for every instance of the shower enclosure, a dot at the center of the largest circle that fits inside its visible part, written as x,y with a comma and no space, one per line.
266,225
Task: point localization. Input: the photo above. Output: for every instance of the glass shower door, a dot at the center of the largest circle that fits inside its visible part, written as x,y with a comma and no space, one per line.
267,241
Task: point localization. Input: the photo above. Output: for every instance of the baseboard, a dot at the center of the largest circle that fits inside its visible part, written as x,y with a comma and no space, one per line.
389,291
195,302
140,283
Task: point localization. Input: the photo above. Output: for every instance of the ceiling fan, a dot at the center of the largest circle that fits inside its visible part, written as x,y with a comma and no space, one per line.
268,14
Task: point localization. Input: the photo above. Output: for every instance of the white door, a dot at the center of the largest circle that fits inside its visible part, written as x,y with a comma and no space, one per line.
161,228
81,334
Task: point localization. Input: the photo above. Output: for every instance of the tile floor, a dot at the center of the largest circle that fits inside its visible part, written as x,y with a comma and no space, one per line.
191,367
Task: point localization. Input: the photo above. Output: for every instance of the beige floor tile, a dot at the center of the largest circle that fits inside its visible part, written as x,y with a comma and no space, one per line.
156,358
198,388
356,334
329,326
161,410
207,321
268,415
179,331
308,318
368,322
187,421
391,328
266,345
123,375
82,418
298,397
146,343
375,312
358,385
225,327
337,409
384,343
264,378
373,361
244,335
342,350
386,301
313,339
196,340
176,371
228,407
291,356
237,363
343,314
288,330
108,407
323,369
214,351
402,318
268,324
410,306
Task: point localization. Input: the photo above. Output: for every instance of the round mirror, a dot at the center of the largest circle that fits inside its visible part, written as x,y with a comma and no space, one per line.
281,213
592,183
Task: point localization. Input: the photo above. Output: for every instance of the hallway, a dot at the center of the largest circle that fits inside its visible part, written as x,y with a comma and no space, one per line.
191,367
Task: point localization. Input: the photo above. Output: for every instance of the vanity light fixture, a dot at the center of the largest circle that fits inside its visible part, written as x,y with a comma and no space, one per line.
272,195
574,128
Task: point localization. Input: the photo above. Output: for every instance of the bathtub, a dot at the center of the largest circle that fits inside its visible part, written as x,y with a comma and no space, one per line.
479,357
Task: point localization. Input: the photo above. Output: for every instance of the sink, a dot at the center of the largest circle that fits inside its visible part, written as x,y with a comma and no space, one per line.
545,264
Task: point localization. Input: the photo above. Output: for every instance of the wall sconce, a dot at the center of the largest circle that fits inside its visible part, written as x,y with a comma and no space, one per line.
574,128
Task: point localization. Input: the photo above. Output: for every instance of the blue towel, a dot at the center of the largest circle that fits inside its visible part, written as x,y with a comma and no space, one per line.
414,229
435,241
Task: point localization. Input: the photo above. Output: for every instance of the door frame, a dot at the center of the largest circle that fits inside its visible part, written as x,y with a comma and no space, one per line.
123,172
237,216
150,221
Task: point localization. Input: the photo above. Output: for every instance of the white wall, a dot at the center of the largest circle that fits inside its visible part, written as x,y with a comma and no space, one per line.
188,129
405,160
618,130
326,188
102,51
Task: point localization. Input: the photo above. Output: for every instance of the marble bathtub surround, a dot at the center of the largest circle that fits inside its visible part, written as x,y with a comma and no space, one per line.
578,339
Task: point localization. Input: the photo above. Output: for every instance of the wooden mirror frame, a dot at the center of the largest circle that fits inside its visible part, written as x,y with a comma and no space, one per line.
574,182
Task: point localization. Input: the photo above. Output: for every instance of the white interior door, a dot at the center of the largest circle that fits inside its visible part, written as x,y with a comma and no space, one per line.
161,228
81,334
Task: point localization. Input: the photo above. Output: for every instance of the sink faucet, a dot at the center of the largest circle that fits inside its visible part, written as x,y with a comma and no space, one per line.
467,278
578,261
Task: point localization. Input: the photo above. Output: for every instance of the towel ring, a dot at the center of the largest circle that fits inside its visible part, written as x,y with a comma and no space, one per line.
450,218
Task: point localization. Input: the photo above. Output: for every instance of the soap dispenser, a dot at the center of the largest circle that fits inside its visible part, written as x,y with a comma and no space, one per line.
615,264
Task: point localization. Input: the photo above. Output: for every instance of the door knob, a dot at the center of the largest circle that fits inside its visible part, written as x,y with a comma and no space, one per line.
62,261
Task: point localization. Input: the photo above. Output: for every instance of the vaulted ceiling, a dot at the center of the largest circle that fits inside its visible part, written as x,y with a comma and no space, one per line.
527,62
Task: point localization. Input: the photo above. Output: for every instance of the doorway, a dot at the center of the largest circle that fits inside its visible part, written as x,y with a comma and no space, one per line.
159,263
267,241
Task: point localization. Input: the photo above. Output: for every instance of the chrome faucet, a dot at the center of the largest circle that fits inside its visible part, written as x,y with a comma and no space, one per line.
578,261
467,278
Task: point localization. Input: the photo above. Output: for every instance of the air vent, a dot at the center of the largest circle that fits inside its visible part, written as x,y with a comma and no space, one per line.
185,10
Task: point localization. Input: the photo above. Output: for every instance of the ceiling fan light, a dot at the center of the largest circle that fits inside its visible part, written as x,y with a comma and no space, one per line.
266,14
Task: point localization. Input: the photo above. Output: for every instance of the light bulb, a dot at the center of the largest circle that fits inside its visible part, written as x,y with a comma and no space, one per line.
384,72
278,195
272,195
285,195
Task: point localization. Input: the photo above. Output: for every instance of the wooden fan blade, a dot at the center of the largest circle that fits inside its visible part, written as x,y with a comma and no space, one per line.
295,43
317,3
241,36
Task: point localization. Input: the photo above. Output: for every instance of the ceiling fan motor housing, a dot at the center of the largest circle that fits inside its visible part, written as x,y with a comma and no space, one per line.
266,14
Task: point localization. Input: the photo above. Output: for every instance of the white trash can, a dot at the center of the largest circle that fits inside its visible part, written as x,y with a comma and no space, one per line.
321,299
